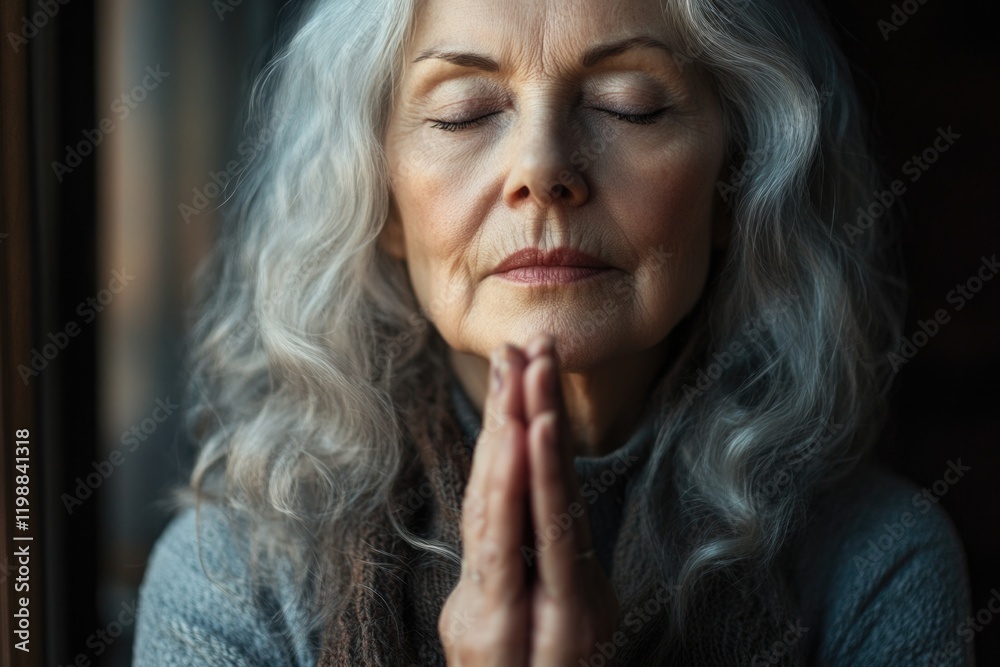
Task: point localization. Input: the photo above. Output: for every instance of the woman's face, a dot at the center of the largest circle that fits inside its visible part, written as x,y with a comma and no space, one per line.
550,125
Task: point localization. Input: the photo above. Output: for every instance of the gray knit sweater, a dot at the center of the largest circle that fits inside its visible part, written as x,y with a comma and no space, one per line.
880,576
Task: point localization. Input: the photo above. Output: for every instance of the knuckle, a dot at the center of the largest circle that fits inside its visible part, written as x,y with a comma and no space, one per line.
474,514
472,637
446,609
501,494
488,635
453,625
442,622
477,643
489,554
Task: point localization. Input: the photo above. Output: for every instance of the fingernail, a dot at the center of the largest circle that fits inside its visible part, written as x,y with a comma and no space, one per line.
541,345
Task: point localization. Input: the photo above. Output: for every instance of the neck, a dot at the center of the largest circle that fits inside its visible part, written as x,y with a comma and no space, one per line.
603,403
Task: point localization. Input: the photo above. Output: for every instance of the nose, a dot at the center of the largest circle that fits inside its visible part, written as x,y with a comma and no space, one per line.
541,164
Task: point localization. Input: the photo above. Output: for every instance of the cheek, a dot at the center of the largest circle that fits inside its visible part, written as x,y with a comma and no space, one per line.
434,199
666,209
666,197
436,190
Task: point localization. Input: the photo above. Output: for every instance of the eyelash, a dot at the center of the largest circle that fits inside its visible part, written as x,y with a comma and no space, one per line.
460,125
636,119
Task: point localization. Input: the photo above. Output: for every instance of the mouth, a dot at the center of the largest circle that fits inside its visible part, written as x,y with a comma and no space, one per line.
551,275
559,266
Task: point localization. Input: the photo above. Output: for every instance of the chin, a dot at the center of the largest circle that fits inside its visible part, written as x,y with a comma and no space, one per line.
582,343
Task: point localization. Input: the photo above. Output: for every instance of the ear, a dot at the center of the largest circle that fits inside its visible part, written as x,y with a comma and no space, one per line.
392,238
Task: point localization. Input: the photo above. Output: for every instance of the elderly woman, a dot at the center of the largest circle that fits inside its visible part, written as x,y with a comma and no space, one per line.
545,334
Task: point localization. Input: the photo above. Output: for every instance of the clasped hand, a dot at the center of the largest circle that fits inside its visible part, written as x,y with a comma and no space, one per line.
523,475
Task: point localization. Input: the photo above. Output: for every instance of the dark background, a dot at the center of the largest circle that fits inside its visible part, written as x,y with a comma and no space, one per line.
940,70
122,206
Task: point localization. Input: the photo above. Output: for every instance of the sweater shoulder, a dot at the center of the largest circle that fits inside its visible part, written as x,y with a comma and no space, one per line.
198,604
881,573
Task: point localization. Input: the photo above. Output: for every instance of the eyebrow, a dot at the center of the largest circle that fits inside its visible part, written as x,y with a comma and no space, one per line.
462,59
601,51
592,56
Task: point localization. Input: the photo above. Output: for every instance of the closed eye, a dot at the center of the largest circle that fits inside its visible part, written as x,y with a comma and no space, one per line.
634,118
451,126
637,118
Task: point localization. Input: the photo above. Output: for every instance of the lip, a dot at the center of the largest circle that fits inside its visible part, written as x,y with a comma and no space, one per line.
527,258
558,266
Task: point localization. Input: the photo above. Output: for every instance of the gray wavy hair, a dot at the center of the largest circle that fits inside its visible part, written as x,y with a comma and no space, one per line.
307,328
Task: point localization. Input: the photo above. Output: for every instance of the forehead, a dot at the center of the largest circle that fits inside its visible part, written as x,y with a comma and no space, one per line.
542,33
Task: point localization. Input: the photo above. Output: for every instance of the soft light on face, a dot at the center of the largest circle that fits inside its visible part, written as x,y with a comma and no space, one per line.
514,127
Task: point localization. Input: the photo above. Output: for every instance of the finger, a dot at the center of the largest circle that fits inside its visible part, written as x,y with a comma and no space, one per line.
474,500
538,379
541,343
543,388
543,393
498,555
559,518
494,551
540,391
495,407
508,402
